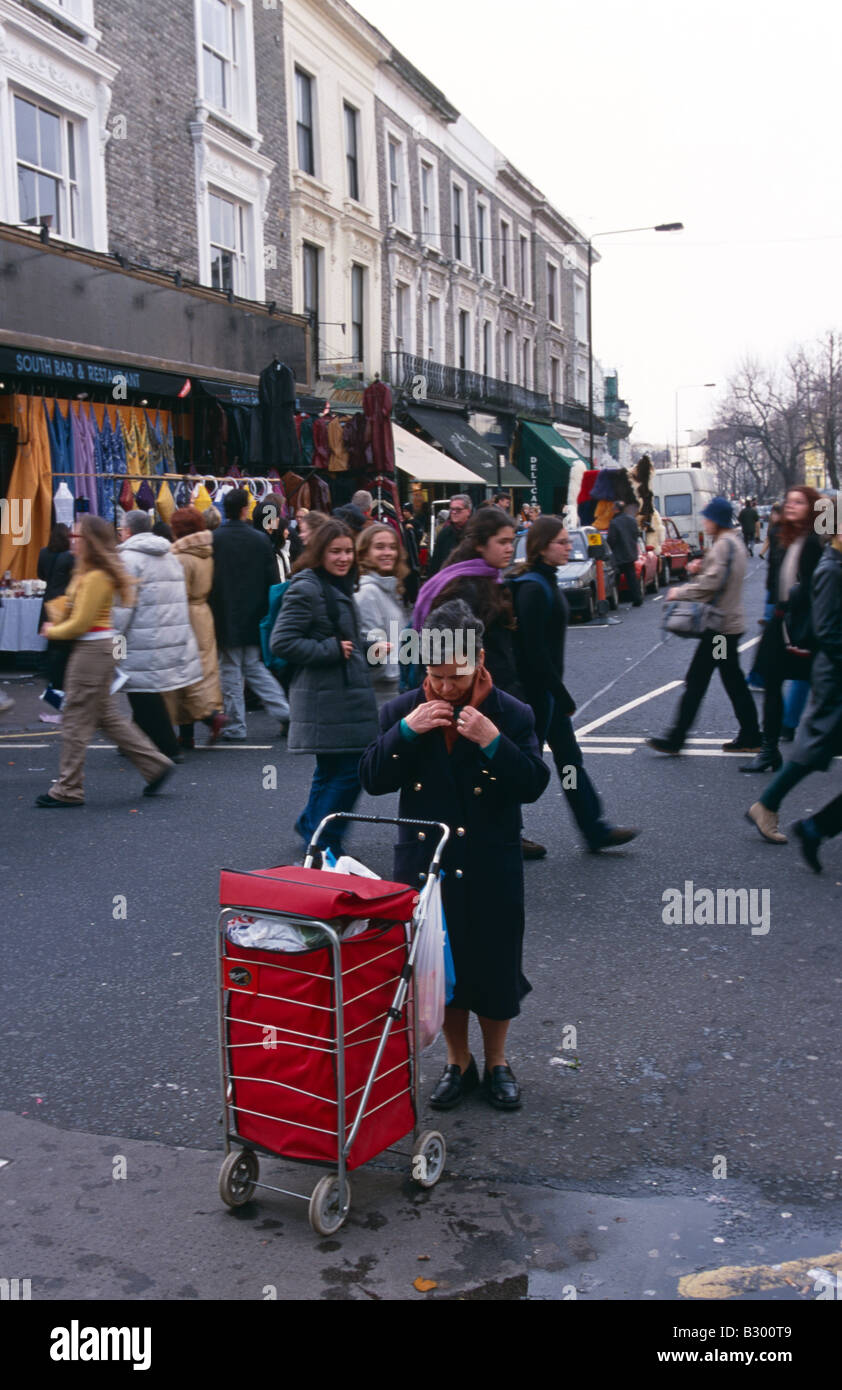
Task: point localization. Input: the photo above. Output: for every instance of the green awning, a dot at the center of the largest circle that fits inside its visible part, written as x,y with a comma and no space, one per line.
545,458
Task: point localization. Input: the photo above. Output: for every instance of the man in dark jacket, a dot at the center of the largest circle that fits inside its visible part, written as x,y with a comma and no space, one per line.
244,569
819,737
747,521
450,535
623,536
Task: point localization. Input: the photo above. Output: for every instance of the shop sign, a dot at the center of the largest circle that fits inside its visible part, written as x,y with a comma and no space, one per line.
533,477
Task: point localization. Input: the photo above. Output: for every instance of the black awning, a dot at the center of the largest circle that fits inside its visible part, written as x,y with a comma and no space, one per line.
229,391
466,446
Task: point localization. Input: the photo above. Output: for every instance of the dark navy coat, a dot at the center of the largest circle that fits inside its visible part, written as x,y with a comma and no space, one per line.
479,798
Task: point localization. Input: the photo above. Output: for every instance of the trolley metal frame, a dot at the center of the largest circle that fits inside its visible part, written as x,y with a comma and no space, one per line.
330,1200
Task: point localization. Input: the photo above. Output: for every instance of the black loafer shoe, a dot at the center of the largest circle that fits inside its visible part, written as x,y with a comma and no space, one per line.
664,745
454,1086
530,849
501,1089
53,803
620,835
152,788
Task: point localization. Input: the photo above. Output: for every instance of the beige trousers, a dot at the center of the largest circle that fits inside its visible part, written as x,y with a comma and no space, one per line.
88,705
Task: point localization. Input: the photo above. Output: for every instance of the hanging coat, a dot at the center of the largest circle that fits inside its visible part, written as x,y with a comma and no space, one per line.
276,392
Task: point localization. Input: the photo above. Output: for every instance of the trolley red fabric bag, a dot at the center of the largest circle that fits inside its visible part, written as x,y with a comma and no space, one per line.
280,1029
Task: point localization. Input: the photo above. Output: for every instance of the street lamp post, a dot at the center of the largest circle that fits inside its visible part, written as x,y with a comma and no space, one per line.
622,231
696,386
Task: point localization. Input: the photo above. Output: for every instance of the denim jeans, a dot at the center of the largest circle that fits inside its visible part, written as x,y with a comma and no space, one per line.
335,787
556,729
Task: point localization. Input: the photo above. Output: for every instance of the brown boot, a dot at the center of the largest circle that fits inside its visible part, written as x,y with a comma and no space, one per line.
767,823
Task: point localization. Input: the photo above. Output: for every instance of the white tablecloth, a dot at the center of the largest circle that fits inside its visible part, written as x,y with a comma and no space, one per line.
19,622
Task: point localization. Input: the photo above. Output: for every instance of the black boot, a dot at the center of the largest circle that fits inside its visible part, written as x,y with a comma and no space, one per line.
767,760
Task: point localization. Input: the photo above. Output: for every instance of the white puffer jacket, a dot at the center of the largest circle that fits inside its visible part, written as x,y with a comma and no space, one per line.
161,648
379,605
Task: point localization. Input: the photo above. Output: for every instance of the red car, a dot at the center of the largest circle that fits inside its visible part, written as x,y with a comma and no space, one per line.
675,553
646,569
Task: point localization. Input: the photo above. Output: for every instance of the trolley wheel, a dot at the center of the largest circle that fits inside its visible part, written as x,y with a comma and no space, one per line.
429,1158
327,1211
237,1177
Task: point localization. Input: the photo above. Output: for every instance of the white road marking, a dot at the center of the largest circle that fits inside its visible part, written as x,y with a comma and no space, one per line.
591,748
600,738
28,745
622,709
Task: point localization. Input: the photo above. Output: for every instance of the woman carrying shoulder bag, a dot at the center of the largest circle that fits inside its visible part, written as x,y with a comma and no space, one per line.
333,712
719,583
784,652
542,615
88,702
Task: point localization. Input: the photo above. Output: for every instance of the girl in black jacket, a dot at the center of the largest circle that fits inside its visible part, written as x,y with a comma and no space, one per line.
541,611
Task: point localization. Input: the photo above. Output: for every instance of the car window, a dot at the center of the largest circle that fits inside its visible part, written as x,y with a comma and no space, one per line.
679,504
578,546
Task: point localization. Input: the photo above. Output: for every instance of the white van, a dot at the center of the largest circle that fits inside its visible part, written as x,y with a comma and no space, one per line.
682,495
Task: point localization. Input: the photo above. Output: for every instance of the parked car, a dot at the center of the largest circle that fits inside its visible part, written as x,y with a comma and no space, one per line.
675,552
646,569
577,579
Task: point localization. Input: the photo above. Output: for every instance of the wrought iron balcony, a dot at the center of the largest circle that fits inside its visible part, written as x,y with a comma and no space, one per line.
436,381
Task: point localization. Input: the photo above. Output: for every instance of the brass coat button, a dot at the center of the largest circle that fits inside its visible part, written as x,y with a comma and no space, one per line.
418,786
458,873
460,830
422,834
477,791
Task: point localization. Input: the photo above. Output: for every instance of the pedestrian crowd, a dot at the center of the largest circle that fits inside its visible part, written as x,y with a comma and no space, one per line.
308,620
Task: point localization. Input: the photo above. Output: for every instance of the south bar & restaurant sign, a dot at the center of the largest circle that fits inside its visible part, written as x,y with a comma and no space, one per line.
76,371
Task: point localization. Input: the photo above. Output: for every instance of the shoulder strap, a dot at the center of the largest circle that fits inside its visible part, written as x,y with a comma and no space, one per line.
721,590
536,579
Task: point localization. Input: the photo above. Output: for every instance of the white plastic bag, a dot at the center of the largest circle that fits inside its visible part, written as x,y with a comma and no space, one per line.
430,987
346,864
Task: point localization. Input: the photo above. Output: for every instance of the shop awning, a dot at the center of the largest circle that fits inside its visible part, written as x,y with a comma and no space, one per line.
571,453
425,464
230,392
544,457
469,448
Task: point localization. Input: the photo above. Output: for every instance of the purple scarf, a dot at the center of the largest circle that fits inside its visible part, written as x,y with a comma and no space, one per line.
429,592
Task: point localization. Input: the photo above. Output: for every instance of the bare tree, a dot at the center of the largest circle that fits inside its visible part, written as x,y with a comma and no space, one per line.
821,372
761,428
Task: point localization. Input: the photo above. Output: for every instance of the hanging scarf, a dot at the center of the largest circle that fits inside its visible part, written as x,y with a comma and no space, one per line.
480,690
428,592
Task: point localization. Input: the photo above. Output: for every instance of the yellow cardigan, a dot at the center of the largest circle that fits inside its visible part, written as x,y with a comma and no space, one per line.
88,601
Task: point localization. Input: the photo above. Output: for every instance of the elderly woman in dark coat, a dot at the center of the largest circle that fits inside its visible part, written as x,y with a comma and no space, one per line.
460,751
333,712
819,737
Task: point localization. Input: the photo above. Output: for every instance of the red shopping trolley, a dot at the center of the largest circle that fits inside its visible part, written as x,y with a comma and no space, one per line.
319,1044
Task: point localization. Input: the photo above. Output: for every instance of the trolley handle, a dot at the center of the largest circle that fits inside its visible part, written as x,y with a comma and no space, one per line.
380,820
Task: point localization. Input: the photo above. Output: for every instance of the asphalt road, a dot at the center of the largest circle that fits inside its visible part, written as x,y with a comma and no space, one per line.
701,1049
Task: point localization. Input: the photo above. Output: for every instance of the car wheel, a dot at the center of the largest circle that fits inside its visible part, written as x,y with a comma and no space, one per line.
588,610
666,578
652,588
613,598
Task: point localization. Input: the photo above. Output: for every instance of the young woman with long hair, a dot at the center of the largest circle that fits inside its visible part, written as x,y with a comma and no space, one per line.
99,579
542,617
383,567
333,712
794,555
473,572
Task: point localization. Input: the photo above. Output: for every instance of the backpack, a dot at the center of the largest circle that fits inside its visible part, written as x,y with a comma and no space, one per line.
278,665
536,579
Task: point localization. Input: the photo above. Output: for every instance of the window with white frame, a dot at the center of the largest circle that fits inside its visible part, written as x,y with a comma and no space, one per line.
352,158
461,251
525,269
505,253
463,339
399,214
487,348
434,329
401,317
358,313
82,11
527,361
552,293
429,201
580,310
483,252
508,342
228,241
47,168
304,123
555,378
581,386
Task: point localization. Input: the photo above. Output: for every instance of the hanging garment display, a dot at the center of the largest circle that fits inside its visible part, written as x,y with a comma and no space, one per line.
127,496
338,461
164,505
377,406
357,442
321,443
145,497
276,393
60,438
83,429
155,438
31,481
130,444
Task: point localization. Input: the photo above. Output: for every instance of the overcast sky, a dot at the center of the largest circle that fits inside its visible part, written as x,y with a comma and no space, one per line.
723,115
